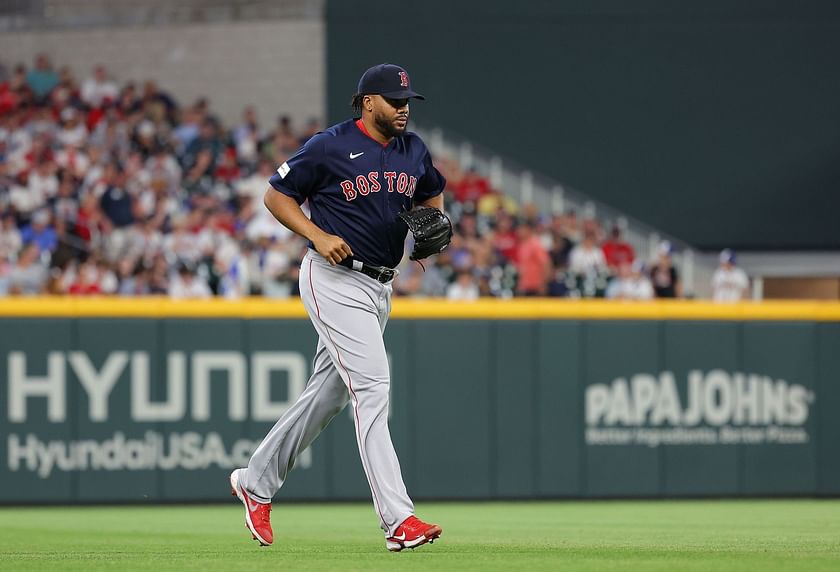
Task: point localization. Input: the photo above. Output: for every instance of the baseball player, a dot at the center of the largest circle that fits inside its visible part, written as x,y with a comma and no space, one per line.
359,176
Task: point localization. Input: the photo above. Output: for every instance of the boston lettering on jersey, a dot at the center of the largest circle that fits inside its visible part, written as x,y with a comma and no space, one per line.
364,185
356,187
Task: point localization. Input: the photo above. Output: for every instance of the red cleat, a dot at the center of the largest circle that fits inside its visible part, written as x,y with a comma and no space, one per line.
257,514
412,533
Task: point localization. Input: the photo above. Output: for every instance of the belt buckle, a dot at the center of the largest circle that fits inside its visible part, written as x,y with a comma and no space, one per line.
385,271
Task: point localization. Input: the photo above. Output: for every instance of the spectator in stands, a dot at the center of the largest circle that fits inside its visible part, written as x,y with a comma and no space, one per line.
497,203
631,283
42,78
471,187
10,239
5,272
532,263
132,278
186,284
313,126
464,288
8,99
134,184
99,89
65,206
73,160
40,233
157,103
86,282
66,92
433,281
663,274
561,244
227,169
504,238
73,131
117,206
29,274
246,138
587,258
617,251
190,126
42,185
253,188
729,282
572,227
281,142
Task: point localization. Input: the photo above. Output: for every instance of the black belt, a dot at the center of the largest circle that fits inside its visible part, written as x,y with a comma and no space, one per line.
382,274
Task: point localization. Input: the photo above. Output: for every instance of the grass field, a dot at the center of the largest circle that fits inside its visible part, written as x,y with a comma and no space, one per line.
690,535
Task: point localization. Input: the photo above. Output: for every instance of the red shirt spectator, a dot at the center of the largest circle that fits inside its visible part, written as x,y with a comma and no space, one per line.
617,251
471,187
504,238
228,170
87,281
532,262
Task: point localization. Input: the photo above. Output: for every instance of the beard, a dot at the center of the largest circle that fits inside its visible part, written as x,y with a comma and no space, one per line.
387,127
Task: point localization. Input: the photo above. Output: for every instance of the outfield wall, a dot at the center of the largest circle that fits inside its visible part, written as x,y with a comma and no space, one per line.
152,400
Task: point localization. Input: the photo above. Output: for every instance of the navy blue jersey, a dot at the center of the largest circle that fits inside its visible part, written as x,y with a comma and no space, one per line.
356,187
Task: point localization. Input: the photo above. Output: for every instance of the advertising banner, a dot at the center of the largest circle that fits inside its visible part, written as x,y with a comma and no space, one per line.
162,409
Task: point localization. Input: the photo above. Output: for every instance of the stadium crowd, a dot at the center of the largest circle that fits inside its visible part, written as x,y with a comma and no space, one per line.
120,190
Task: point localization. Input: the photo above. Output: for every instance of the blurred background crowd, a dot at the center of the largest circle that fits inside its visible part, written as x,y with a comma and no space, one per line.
111,188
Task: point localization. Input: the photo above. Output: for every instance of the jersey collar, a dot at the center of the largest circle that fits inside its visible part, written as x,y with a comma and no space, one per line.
361,125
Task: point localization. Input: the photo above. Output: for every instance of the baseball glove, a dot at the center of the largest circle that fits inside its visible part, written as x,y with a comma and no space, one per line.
432,231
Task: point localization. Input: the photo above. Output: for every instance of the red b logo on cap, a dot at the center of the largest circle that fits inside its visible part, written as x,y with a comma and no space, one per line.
403,79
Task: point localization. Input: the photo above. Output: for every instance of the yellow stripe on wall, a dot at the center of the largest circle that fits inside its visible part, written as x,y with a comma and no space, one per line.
530,309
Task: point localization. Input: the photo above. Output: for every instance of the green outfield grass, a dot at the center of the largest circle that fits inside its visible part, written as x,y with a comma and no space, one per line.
690,535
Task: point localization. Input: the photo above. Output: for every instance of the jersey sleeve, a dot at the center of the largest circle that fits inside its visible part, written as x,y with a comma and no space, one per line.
300,175
431,183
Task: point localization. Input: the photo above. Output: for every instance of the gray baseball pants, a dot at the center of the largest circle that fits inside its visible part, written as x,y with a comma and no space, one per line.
349,311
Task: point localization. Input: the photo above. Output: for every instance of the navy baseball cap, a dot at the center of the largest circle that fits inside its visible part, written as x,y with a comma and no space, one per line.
387,80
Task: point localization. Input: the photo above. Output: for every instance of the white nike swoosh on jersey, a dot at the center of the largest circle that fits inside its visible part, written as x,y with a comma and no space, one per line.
354,155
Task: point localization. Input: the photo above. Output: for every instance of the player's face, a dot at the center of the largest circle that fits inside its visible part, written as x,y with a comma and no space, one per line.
390,115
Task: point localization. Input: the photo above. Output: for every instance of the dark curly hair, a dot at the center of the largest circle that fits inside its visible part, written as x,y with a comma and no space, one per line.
356,102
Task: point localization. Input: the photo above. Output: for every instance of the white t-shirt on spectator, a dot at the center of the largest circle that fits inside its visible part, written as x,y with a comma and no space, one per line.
25,200
10,242
630,289
195,288
253,186
76,161
43,186
456,291
729,285
587,260
75,136
93,92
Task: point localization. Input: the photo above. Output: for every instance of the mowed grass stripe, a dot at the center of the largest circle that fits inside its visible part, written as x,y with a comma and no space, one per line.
638,535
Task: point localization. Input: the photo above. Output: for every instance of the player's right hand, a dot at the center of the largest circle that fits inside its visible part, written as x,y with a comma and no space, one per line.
333,248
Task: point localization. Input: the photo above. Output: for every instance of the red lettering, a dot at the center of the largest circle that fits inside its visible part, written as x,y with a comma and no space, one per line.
412,186
402,183
390,175
362,185
349,191
374,182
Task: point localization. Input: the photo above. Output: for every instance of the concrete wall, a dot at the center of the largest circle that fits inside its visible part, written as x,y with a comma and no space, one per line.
277,66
